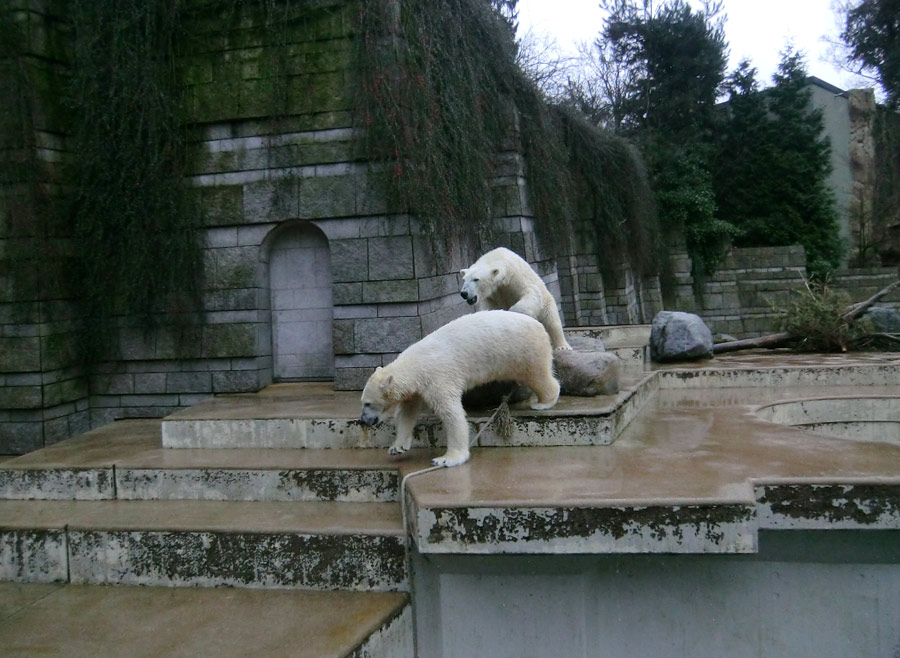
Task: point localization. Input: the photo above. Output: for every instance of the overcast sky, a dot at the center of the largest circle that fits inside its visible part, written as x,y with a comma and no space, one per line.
756,29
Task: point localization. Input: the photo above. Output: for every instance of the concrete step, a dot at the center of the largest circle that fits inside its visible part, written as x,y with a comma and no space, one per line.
287,416
311,545
615,335
125,460
82,621
627,341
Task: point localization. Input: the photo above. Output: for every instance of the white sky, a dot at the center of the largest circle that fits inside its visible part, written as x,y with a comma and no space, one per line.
756,29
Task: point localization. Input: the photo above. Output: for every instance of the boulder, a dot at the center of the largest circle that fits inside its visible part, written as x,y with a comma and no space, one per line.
587,373
885,320
679,336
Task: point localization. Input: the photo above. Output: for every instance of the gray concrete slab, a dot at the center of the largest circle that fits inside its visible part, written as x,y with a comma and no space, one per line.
382,519
689,474
89,621
354,546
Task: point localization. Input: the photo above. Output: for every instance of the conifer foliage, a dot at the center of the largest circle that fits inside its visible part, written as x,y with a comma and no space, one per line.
772,165
673,58
872,32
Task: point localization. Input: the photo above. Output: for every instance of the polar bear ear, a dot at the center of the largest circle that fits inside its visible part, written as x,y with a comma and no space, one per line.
385,383
463,271
495,273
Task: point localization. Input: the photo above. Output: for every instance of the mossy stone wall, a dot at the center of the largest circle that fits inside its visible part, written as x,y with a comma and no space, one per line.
271,143
43,390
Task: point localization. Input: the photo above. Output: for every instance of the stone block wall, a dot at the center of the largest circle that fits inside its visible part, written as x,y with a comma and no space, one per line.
43,390
744,296
595,293
272,147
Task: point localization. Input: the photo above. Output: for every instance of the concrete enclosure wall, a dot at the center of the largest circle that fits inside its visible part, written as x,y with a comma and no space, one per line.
806,595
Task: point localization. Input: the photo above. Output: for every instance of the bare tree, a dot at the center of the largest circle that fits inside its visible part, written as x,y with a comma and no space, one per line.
542,60
599,85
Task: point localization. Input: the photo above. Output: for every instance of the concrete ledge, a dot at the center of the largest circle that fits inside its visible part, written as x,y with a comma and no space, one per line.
214,559
687,528
357,546
732,373
232,422
343,485
49,483
817,505
36,554
82,621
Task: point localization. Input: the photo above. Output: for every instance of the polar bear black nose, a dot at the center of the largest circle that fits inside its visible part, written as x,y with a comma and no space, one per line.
464,294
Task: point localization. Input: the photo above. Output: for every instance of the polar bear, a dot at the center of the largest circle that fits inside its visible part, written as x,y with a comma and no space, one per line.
501,279
437,370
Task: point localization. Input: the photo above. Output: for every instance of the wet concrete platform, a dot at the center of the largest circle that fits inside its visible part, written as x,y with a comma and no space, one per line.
88,621
697,471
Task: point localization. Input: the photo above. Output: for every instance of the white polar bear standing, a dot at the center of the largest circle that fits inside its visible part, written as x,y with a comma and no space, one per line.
436,371
501,279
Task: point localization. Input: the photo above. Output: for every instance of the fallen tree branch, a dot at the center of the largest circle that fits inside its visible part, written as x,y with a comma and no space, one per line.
857,310
772,341
895,338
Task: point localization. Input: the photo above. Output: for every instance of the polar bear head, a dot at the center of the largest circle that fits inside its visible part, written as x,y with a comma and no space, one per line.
479,281
377,397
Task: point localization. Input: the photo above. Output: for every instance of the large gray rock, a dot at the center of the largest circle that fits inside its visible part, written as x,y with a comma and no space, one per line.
587,373
679,336
885,320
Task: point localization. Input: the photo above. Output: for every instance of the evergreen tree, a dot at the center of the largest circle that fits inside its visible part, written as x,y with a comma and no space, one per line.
773,163
743,151
872,33
674,63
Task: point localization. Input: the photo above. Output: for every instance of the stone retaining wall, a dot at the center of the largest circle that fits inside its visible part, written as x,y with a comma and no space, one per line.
744,297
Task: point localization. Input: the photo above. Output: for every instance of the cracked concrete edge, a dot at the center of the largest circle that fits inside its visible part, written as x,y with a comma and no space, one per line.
727,528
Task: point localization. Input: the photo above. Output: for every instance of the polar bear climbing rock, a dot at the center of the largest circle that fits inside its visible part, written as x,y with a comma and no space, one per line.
435,372
501,279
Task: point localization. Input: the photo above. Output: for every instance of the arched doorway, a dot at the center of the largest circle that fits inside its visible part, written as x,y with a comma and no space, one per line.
302,309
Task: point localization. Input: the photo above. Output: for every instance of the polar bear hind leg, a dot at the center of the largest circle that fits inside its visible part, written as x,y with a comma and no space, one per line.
456,428
546,390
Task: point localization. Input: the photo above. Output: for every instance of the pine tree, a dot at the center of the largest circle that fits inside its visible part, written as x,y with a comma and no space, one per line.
872,32
773,164
674,62
742,150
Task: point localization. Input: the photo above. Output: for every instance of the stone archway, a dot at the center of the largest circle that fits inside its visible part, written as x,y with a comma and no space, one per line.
301,303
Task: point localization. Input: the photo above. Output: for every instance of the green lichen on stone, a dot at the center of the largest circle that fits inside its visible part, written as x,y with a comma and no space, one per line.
229,340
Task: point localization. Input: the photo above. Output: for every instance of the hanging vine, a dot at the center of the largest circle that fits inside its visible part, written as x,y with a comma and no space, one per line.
442,96
133,215
28,258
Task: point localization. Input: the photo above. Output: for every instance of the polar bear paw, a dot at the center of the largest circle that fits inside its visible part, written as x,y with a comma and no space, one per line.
399,447
451,458
564,348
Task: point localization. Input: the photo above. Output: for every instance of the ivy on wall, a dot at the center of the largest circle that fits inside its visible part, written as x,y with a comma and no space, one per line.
132,212
442,96
25,209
